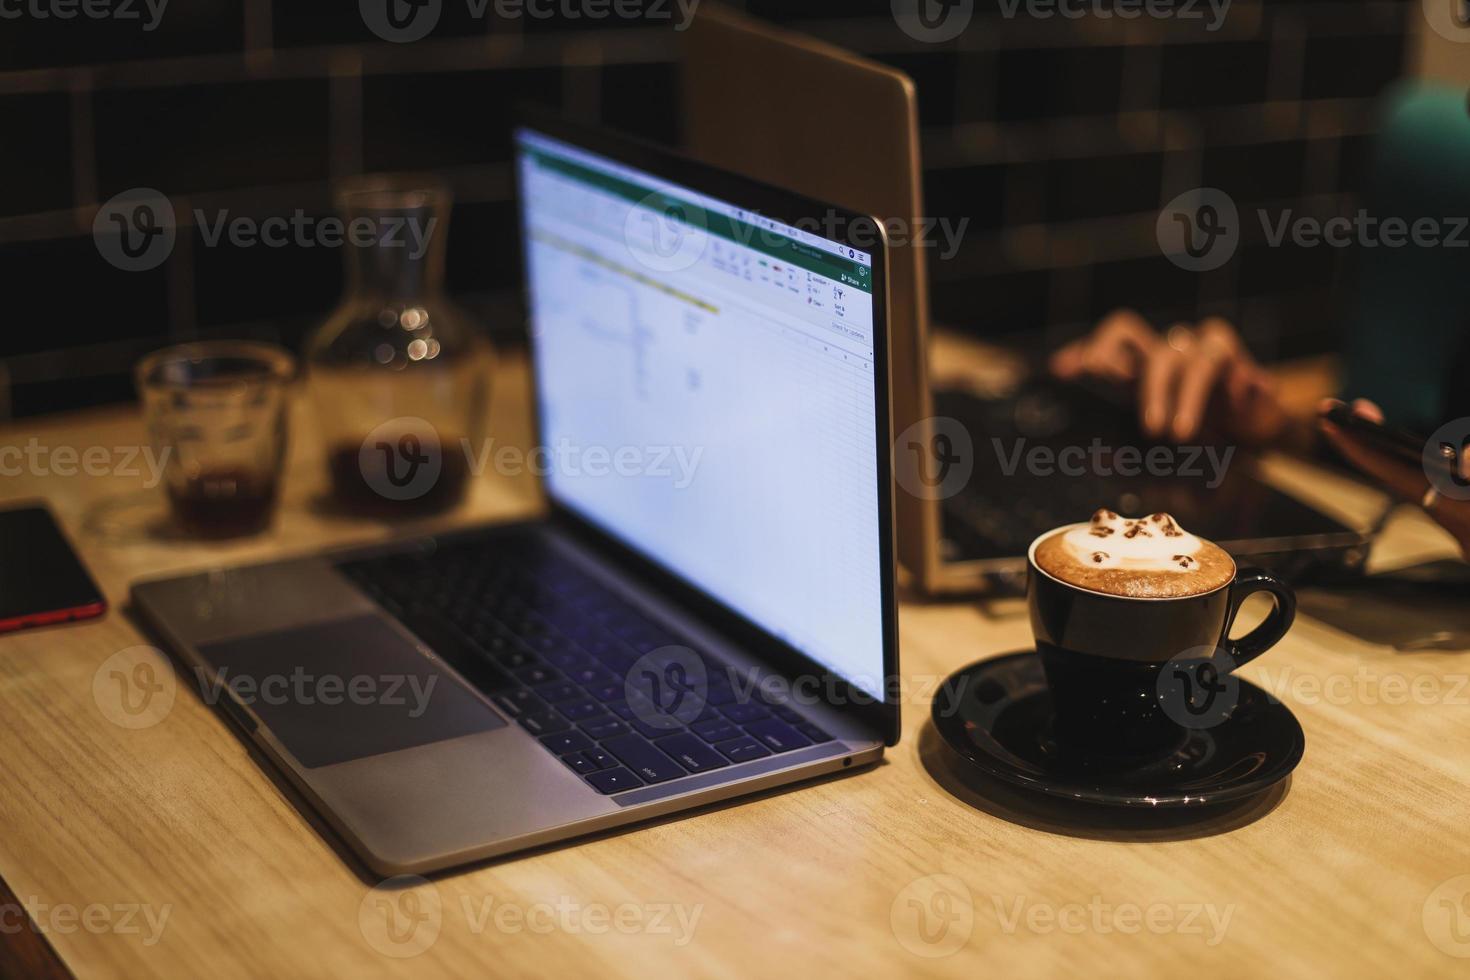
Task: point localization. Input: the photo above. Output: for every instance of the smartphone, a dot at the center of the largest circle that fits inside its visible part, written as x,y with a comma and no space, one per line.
1399,443
42,581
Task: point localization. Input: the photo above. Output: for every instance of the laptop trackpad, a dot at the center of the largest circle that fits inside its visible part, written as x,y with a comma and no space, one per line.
343,690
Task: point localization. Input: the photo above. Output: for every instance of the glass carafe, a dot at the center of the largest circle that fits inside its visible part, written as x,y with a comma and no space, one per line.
398,373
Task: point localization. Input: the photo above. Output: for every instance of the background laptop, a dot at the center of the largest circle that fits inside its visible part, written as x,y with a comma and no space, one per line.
671,635
820,119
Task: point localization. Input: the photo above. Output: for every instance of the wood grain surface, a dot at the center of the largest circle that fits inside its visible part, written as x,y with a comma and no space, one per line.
155,844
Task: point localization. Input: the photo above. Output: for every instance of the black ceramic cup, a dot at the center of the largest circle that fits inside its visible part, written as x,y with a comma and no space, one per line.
1104,654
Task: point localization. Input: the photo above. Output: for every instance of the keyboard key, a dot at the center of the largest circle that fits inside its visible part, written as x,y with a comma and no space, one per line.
719,696
579,629
507,704
600,758
612,691
580,763
625,711
515,622
567,742
743,749
513,658
786,714
613,780
593,675
598,729
595,642
625,625
459,652
537,633
489,637
599,611
715,730
519,701
649,763
611,653
550,645
620,662
580,710
543,722
558,691
690,752
533,676
743,713
776,735
571,661
813,732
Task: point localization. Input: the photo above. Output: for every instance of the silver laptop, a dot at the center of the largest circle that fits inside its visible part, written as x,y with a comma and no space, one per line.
708,608
819,119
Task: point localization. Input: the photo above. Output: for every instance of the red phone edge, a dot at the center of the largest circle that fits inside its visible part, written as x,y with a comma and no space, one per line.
89,611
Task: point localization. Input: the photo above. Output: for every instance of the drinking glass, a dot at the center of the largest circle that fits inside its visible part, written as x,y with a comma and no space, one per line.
217,416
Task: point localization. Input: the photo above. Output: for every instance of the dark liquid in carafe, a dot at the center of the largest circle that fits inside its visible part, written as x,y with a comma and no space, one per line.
356,477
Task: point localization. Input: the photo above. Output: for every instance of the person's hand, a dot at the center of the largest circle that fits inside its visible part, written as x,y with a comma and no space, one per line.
1184,379
1404,480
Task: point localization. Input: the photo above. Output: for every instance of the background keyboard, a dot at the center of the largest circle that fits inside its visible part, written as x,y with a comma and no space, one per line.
1007,501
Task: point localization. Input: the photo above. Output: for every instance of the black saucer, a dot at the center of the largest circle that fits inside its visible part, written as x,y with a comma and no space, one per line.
997,714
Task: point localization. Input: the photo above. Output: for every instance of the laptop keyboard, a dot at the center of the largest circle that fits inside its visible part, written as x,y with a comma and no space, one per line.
1008,501
569,660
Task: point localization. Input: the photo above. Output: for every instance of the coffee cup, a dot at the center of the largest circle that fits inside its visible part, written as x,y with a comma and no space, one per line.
1132,623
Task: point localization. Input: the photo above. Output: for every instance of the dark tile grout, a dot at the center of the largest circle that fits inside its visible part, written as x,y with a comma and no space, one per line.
1137,126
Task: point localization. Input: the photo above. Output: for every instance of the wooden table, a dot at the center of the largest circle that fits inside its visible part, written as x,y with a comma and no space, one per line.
905,867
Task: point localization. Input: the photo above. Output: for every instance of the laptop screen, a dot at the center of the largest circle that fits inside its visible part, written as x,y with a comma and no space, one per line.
707,395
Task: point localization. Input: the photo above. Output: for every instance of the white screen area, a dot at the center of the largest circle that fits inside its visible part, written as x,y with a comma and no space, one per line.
706,386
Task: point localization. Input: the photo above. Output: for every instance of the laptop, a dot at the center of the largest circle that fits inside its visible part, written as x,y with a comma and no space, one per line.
831,122
706,610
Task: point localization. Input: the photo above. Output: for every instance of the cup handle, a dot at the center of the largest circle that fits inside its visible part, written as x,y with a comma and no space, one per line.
1247,583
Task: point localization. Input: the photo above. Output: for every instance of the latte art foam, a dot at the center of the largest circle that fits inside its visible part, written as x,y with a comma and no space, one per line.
1148,557
1155,543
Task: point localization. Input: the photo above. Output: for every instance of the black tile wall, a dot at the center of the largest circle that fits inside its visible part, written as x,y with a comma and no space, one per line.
786,11
1034,83
642,100
1354,153
975,192
935,75
251,280
1152,285
42,35
339,22
201,137
1266,271
1292,324
483,253
1058,140
35,168
1256,172
1221,73
1350,67
1001,302
1093,187
62,289
540,17
440,119
39,397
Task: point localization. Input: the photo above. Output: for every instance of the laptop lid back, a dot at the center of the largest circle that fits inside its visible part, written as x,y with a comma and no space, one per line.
829,124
